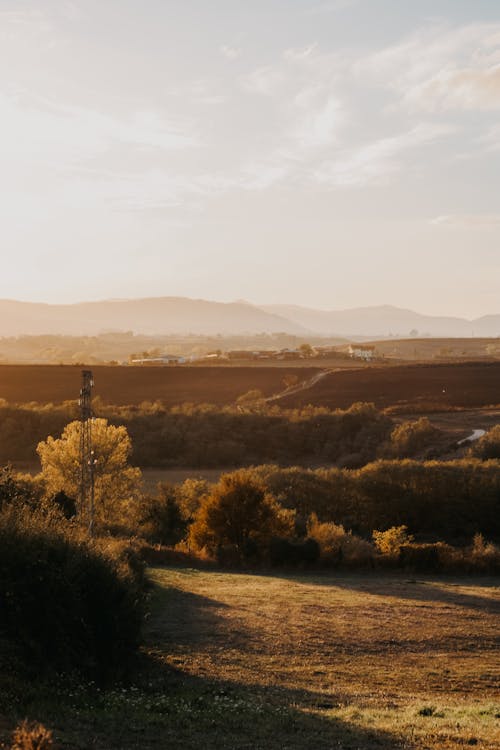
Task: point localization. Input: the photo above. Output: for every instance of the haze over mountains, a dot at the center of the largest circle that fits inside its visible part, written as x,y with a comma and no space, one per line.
181,315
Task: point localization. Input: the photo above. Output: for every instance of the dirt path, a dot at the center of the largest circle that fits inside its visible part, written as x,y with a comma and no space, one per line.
304,386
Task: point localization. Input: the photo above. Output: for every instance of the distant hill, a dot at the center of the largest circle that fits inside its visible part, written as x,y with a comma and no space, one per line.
156,315
181,315
384,320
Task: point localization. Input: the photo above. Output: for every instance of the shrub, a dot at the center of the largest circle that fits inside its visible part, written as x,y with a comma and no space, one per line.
293,552
66,603
483,556
421,557
338,546
161,519
409,438
389,542
31,736
239,515
488,446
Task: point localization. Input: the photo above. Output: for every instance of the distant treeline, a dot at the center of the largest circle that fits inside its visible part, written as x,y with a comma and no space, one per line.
206,436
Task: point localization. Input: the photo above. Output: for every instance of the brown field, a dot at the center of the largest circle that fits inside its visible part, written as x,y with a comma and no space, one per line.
418,349
459,385
424,386
133,385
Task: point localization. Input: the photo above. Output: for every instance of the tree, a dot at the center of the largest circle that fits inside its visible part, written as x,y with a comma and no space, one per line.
161,517
116,483
239,514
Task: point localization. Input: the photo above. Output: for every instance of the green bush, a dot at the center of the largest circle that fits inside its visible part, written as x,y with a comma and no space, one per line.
65,603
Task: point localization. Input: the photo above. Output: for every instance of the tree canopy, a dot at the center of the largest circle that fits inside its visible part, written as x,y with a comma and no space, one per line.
116,482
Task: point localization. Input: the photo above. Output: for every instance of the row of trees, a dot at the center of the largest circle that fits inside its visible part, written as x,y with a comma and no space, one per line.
205,436
451,500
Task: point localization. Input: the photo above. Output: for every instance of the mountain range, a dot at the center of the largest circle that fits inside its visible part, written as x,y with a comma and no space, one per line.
181,315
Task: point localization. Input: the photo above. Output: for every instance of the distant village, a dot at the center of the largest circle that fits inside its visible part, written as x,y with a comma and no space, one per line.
364,352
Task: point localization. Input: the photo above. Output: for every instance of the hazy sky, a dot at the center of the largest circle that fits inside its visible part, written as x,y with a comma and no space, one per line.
329,153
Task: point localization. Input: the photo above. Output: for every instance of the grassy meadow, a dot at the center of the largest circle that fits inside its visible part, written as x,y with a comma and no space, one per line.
349,661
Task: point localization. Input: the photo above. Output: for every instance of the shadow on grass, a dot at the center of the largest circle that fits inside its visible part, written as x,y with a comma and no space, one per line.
182,618
425,588
166,707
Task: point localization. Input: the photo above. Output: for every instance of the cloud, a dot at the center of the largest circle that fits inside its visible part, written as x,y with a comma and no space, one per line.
441,68
264,81
376,162
40,131
329,6
232,53
467,221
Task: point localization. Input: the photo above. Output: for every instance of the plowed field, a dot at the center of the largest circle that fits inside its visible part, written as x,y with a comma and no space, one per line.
468,384
132,385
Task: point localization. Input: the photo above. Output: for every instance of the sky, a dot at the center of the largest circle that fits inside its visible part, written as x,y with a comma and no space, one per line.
325,153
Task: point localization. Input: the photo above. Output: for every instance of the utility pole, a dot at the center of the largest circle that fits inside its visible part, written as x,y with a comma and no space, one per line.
86,452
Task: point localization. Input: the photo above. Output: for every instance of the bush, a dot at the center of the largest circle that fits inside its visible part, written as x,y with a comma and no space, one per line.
66,603
488,446
410,438
338,546
161,519
238,519
293,552
425,558
483,556
389,542
31,736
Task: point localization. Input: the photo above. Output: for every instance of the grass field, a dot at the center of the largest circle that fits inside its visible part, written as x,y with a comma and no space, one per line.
300,661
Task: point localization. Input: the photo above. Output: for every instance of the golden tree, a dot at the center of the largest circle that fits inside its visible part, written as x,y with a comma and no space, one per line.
239,514
116,483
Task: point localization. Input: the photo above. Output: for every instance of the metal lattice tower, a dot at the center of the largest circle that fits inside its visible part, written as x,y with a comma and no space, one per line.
86,509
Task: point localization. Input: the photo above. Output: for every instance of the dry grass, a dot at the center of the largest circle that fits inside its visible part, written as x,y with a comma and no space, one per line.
413,663
292,662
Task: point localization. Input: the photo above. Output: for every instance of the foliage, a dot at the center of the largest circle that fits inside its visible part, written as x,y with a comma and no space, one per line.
116,483
293,551
409,438
68,604
241,515
205,435
161,517
338,546
488,446
389,542
31,736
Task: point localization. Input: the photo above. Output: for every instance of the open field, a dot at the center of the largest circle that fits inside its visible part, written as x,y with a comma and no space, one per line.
462,385
132,385
421,349
300,661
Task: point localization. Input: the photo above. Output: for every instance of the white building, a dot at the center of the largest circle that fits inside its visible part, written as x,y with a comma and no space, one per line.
359,351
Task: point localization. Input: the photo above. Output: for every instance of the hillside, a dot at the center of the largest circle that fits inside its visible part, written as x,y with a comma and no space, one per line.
384,320
182,316
155,315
